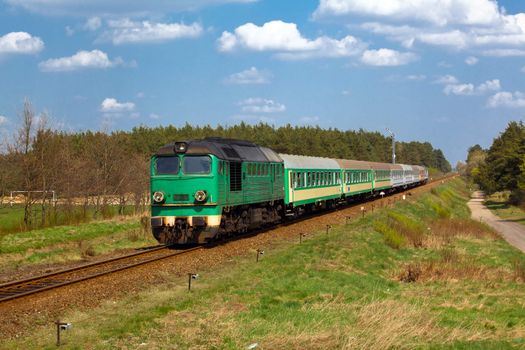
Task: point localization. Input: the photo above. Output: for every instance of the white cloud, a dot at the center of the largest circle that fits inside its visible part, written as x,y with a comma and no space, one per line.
111,105
447,79
454,87
459,89
416,77
507,99
286,40
261,105
309,120
346,93
93,24
504,53
3,120
115,7
408,36
437,12
95,59
126,31
387,57
154,116
471,60
249,76
20,43
499,35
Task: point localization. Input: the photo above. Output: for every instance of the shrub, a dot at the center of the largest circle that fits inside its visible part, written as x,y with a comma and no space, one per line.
411,273
440,210
414,231
133,235
392,237
86,250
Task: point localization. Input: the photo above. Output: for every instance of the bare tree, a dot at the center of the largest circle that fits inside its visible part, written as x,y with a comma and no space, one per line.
24,142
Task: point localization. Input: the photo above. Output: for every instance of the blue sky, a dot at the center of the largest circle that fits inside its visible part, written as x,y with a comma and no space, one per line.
448,72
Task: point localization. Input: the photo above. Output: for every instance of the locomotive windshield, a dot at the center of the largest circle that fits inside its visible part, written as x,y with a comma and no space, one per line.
167,166
197,165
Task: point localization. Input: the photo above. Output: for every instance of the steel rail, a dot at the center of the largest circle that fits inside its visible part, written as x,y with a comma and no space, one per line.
33,285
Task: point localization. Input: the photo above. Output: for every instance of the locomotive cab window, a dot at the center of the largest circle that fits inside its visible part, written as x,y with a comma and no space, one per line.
197,165
167,165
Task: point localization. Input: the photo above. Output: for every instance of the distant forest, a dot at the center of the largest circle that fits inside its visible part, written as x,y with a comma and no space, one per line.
86,168
300,140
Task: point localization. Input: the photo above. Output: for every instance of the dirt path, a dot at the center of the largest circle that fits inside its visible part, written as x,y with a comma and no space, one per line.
512,232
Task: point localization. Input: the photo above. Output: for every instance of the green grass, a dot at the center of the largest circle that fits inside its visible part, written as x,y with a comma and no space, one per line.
340,291
506,211
12,217
70,243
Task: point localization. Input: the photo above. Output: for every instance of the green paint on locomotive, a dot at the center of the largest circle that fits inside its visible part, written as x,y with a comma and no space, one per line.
257,182
179,188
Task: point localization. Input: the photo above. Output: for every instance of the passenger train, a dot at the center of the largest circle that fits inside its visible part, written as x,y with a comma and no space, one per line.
205,189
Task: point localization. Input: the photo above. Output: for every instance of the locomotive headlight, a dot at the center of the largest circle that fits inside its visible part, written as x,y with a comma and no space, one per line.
158,197
180,147
200,196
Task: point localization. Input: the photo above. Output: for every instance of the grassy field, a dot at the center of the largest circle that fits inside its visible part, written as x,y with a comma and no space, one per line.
418,275
499,205
70,243
12,217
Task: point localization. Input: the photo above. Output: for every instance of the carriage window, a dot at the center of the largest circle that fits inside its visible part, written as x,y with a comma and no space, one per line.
221,168
167,166
197,165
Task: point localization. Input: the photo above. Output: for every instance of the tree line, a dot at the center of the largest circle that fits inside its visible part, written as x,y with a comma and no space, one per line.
501,167
97,170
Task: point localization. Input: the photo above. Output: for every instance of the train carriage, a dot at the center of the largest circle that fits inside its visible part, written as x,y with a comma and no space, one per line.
310,180
357,177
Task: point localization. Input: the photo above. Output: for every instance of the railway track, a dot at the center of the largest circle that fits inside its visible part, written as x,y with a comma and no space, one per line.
33,285
23,288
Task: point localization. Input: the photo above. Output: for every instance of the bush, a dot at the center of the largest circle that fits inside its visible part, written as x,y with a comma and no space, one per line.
440,210
408,227
86,250
392,237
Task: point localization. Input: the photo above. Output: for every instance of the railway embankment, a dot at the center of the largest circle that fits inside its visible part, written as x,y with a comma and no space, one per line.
418,273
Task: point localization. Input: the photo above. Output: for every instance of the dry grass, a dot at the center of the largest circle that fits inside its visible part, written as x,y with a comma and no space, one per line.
86,249
451,266
518,268
391,324
134,235
443,231
308,339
